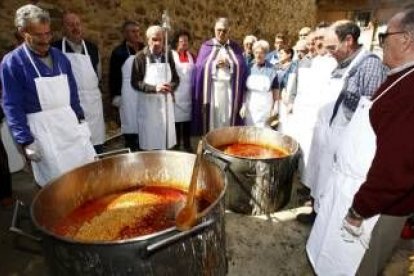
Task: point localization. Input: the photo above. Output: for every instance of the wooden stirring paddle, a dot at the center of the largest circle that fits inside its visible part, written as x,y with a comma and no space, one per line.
187,216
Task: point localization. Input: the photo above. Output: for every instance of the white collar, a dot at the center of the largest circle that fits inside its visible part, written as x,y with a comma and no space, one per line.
400,68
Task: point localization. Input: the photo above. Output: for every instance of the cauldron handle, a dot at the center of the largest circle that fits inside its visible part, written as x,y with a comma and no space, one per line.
154,247
15,229
225,165
110,153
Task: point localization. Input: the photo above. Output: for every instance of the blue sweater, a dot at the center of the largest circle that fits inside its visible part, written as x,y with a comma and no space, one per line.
20,97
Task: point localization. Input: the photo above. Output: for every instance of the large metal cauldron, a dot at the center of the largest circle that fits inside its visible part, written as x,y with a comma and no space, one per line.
199,251
255,186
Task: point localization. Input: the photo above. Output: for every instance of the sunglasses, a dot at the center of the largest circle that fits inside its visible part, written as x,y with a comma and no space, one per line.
383,36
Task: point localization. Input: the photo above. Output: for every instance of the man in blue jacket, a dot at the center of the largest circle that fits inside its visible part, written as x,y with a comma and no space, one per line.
41,101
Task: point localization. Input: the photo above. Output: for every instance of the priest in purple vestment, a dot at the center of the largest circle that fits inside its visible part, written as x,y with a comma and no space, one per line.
219,82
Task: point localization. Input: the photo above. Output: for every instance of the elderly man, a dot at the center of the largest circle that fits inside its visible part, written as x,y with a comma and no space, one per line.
248,42
41,102
219,82
359,73
84,59
123,94
373,181
304,32
156,79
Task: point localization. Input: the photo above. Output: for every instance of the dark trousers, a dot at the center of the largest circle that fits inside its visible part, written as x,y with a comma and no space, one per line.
183,132
384,239
5,176
131,141
98,148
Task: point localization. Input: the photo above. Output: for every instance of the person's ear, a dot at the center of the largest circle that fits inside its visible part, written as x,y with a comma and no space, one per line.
406,39
349,40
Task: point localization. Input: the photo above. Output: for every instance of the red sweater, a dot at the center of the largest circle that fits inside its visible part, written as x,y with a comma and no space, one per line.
389,188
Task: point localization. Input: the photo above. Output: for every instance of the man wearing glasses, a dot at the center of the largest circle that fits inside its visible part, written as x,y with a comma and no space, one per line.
41,101
372,184
359,73
219,82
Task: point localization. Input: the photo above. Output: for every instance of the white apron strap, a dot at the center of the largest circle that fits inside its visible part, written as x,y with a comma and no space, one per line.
31,60
392,85
83,45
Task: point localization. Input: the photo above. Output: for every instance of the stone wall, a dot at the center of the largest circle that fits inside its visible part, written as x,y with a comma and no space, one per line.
380,10
102,18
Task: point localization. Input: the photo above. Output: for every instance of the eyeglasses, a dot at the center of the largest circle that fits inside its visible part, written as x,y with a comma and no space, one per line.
222,30
38,35
383,36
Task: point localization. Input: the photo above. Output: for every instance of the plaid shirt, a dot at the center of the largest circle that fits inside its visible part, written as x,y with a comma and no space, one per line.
364,81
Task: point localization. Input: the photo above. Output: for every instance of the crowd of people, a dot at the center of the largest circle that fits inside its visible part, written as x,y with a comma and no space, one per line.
351,112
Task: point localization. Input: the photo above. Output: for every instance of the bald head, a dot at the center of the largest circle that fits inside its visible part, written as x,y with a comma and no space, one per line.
72,27
398,41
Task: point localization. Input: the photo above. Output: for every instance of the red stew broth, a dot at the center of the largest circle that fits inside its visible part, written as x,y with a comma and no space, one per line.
246,150
159,216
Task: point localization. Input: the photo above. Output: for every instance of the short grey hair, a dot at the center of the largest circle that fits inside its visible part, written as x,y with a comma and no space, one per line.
152,30
261,44
30,14
222,21
342,28
249,39
407,22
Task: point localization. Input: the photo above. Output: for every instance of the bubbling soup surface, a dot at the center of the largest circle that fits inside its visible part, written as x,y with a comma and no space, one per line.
122,215
253,151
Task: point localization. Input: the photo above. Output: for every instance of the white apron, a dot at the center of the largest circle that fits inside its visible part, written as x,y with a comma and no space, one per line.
284,116
63,142
327,251
310,84
326,137
89,93
182,95
221,93
156,111
259,100
128,111
14,156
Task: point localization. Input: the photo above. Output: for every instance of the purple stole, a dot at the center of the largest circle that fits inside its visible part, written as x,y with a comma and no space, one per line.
202,81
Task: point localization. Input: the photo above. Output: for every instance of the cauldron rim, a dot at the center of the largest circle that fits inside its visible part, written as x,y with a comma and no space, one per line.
209,146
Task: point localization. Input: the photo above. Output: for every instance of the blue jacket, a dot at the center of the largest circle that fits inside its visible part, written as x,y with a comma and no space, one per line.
20,97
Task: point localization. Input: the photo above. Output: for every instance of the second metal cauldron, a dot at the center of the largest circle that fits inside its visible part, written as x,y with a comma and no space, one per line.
255,186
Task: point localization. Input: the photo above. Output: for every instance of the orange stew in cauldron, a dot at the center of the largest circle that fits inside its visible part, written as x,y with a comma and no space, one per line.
122,215
253,151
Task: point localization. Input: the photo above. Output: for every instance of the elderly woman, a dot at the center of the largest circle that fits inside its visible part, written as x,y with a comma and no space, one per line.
248,42
262,88
286,73
184,64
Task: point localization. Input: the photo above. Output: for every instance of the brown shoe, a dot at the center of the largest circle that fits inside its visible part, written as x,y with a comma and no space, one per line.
307,219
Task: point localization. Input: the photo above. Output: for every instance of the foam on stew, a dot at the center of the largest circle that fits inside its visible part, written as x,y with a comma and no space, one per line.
246,150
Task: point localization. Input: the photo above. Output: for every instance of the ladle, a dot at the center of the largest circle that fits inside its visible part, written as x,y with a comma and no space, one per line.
187,216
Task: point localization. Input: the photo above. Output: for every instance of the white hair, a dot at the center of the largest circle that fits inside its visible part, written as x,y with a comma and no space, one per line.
249,39
30,14
223,22
153,30
262,44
